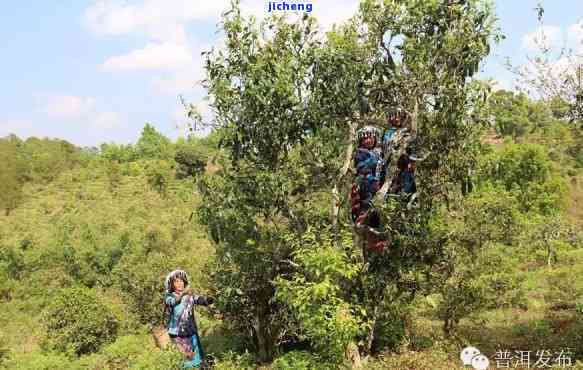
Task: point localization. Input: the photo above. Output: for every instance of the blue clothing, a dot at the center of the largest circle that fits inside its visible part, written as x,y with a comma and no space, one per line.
408,181
197,358
404,182
388,137
365,159
177,307
190,344
371,172
177,315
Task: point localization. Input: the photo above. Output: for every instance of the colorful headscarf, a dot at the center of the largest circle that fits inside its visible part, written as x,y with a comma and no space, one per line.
172,276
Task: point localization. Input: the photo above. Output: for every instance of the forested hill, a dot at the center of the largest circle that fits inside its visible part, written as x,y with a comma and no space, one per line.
96,230
87,236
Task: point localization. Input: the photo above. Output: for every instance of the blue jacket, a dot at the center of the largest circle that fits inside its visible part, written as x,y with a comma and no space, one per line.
176,306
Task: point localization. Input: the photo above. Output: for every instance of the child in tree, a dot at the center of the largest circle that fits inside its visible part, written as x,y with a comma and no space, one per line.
181,324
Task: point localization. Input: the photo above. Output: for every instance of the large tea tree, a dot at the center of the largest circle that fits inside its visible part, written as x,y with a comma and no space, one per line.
288,101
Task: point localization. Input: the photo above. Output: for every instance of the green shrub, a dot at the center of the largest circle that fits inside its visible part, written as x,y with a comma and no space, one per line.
125,350
236,361
139,352
141,281
39,361
301,360
525,170
7,285
565,286
77,321
159,176
159,360
12,262
190,160
315,295
390,327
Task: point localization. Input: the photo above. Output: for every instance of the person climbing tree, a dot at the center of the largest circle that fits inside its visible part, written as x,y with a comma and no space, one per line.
181,323
370,177
404,180
396,122
395,142
367,160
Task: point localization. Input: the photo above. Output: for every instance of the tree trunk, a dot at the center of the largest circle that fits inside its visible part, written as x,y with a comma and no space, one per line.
550,254
336,202
353,355
264,334
371,333
335,208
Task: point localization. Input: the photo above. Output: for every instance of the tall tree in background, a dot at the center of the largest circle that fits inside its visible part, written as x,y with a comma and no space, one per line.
288,102
152,144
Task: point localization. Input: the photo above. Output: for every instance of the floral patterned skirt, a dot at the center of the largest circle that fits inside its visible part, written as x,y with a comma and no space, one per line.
190,344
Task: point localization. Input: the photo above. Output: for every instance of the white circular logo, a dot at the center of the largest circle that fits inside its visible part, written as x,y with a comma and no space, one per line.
480,362
467,354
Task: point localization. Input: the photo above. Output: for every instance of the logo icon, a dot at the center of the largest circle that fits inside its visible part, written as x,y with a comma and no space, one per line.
471,356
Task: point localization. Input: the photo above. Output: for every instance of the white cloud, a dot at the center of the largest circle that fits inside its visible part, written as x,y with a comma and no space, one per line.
68,106
106,120
14,126
152,56
575,36
175,84
498,84
113,17
78,109
545,36
167,46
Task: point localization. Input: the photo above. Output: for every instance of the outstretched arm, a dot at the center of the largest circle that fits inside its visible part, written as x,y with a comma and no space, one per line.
203,301
198,299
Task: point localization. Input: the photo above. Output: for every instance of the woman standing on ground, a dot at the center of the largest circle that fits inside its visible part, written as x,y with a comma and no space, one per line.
181,323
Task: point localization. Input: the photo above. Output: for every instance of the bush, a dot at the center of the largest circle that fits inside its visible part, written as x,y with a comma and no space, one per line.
141,282
190,161
525,170
300,360
477,282
158,174
7,286
124,351
76,321
315,295
235,361
138,352
39,361
159,360
564,287
390,327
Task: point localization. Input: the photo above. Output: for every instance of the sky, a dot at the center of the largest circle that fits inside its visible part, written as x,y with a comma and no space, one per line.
95,71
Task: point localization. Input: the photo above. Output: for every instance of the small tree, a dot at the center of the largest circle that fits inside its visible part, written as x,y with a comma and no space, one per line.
191,161
159,176
153,145
76,320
